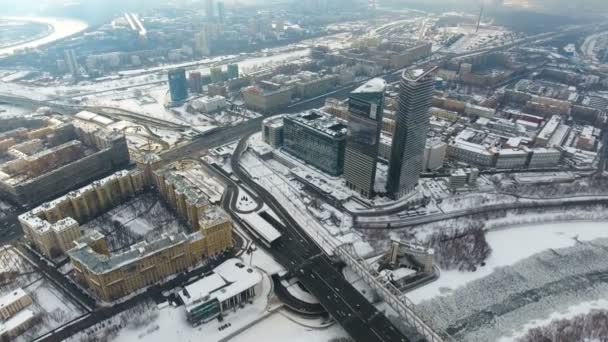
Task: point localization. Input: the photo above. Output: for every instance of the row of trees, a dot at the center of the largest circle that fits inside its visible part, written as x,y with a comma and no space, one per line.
136,317
592,326
585,186
463,249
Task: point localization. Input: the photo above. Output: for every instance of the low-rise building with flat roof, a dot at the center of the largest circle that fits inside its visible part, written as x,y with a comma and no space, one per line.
511,159
13,302
229,286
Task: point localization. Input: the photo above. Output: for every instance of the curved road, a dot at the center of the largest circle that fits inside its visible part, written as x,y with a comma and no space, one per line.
316,271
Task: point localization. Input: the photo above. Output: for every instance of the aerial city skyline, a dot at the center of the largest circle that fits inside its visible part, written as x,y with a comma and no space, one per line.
325,170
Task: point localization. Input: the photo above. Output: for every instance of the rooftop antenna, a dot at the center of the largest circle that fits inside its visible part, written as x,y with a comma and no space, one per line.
479,19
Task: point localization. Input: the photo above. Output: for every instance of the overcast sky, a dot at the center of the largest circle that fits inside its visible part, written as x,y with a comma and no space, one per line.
562,6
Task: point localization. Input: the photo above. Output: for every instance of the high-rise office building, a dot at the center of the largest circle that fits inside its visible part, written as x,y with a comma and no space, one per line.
233,71
366,109
221,12
216,74
201,43
178,85
209,9
195,81
72,63
409,140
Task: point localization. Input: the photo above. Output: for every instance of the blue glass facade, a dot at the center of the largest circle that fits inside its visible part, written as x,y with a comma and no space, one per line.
178,85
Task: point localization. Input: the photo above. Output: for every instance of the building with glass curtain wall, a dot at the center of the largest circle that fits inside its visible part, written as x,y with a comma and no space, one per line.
366,109
412,125
178,85
230,286
317,138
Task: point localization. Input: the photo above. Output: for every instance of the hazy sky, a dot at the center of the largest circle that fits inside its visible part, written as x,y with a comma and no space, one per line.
562,6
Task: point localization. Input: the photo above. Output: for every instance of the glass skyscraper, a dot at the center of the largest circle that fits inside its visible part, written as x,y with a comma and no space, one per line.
178,85
412,124
366,109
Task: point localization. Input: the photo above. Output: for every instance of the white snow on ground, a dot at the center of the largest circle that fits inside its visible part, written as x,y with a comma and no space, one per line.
54,307
294,288
261,259
572,311
513,244
474,200
245,203
10,261
289,192
154,108
278,328
288,195
171,324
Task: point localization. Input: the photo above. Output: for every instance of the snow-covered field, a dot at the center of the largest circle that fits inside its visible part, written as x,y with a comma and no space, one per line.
171,323
53,306
12,262
144,216
279,328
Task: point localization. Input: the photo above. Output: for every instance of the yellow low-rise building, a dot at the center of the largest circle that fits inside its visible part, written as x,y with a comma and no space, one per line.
54,229
14,302
54,226
113,276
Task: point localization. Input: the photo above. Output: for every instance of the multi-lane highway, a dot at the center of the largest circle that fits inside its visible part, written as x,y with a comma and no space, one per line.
394,221
296,251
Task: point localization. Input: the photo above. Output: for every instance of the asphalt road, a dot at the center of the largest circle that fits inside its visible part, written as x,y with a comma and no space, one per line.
317,272
10,229
213,138
394,222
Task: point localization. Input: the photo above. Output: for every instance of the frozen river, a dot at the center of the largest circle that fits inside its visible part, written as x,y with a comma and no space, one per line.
62,28
534,272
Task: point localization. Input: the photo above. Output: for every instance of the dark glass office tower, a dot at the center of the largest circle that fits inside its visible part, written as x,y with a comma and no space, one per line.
178,85
317,138
412,124
366,109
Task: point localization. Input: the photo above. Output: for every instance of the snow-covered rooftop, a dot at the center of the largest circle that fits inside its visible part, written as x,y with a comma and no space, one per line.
261,226
13,323
550,127
99,263
375,85
12,297
227,280
508,152
321,122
